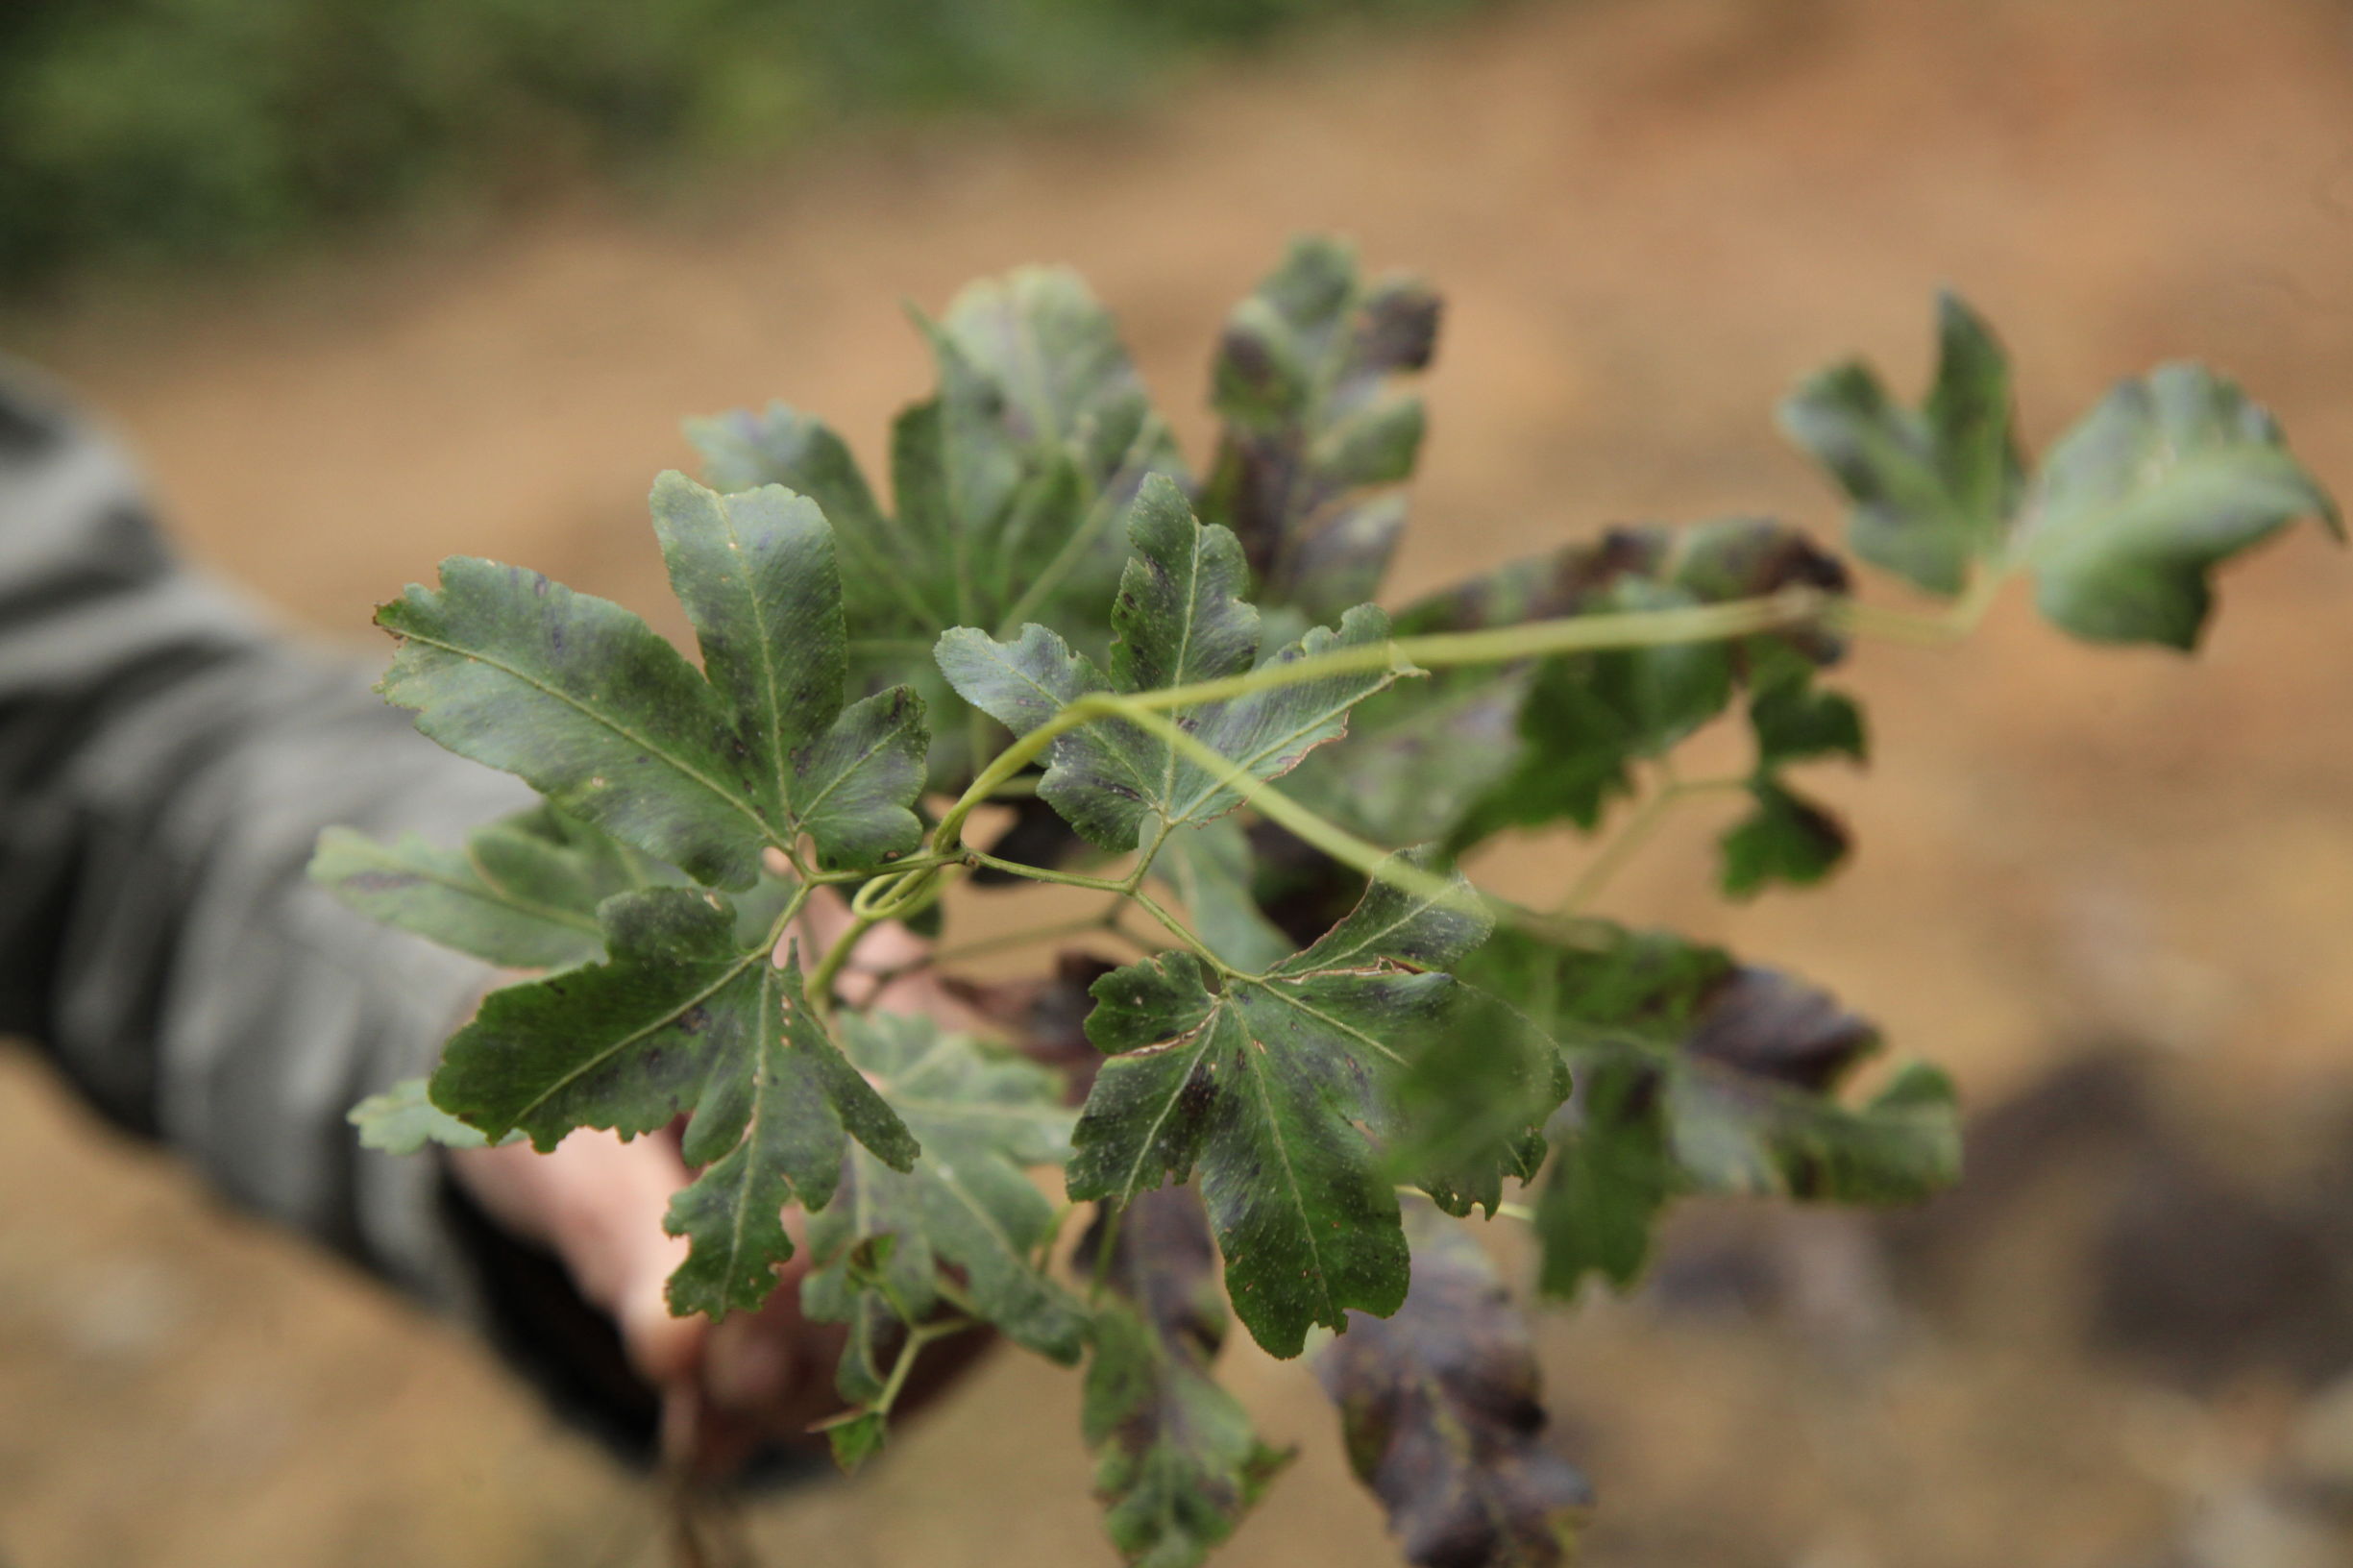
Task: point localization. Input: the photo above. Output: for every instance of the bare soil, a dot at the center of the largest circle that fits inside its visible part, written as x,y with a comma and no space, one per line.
1649,217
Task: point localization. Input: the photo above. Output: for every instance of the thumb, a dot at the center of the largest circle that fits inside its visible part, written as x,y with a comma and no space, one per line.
663,1349
599,1203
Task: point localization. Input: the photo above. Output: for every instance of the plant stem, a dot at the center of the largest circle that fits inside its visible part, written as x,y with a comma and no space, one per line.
1580,633
1112,1212
1950,624
1585,633
1182,932
1047,874
1503,644
829,968
1639,829
1022,937
1278,808
918,1336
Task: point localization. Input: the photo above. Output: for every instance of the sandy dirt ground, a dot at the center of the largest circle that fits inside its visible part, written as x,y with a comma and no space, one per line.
1649,217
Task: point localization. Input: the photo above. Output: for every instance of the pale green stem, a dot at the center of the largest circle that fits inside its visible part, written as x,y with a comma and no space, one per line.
1950,624
1027,935
1182,932
1048,873
829,968
1588,633
1277,807
1504,645
1112,1212
1638,831
1585,633
918,1336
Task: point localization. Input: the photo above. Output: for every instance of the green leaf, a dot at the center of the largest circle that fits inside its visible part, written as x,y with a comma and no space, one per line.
1302,379
855,787
1176,1463
769,1131
523,892
756,573
2170,476
1473,751
856,1438
1729,1074
743,450
582,700
1614,1177
1180,619
1034,360
1473,1102
685,1015
967,1204
626,1045
1933,490
1785,837
1208,869
1266,1084
1420,756
1442,1410
1012,483
403,1120
1902,1145
1796,721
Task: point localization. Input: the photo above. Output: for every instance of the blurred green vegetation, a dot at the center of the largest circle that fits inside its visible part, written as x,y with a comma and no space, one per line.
164,131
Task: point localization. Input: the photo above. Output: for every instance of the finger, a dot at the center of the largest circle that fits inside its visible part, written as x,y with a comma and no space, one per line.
663,1349
599,1203
749,1365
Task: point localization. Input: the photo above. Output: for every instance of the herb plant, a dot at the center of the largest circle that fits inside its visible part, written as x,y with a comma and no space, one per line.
1331,1048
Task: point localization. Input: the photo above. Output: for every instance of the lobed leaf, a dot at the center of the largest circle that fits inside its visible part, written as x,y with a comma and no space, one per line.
756,574
1420,756
1784,838
1011,484
1302,380
404,1121
1696,1073
1176,1463
967,1204
1180,619
1266,1084
771,1128
1585,720
686,1014
1441,1407
1473,1101
2172,473
626,1045
582,700
1614,1176
2170,476
1934,490
523,892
